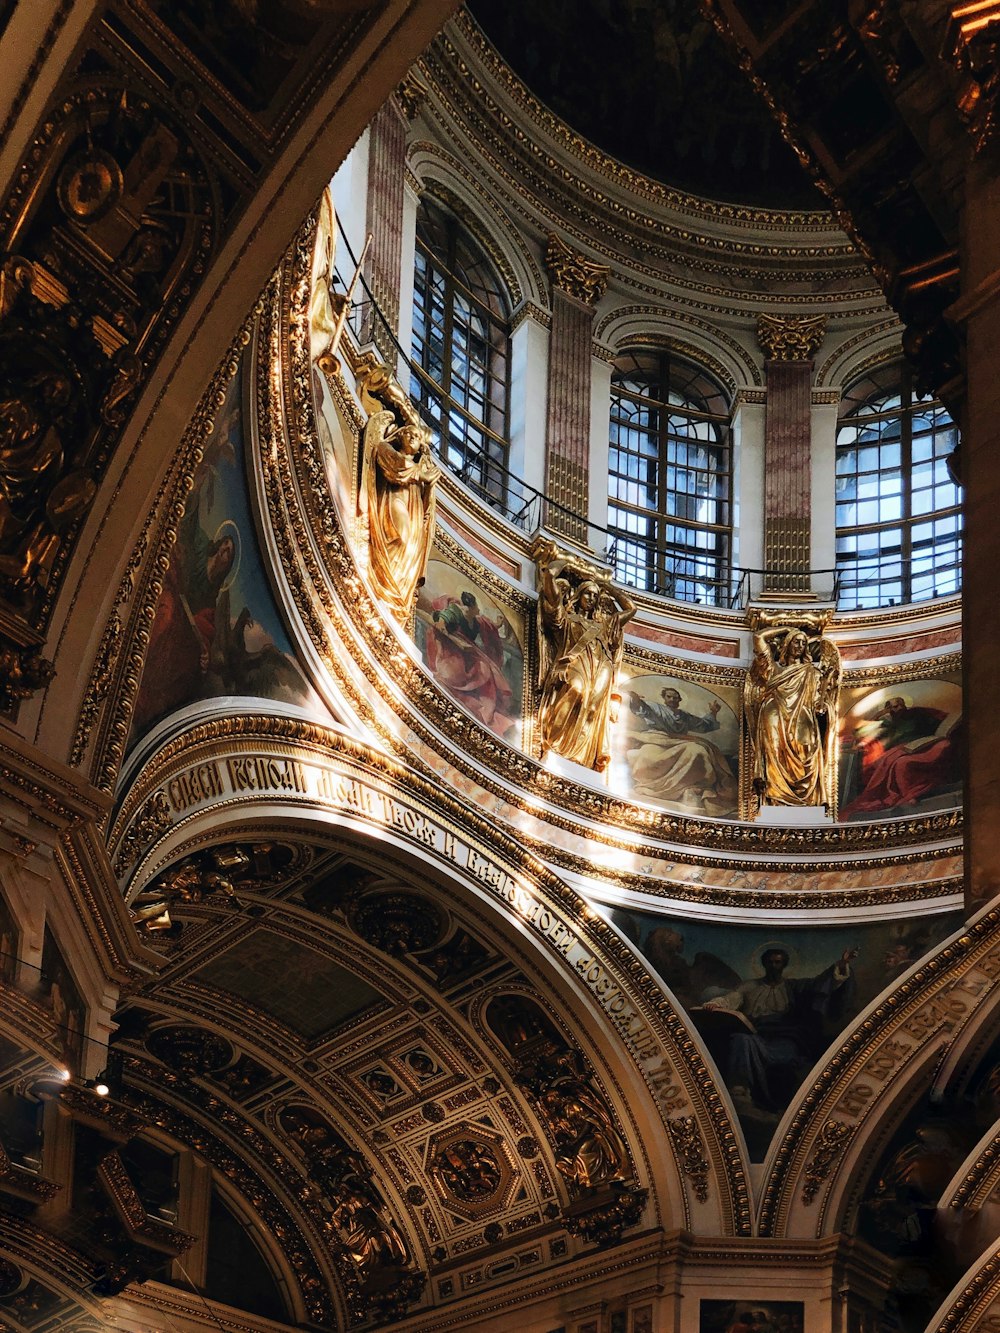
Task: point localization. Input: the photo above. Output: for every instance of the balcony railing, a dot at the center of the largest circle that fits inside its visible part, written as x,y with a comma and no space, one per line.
688,577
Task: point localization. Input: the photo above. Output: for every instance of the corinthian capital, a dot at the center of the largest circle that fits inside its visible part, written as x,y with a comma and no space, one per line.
572,273
790,337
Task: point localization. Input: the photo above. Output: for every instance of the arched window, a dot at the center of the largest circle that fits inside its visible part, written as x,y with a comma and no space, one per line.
898,512
461,351
670,485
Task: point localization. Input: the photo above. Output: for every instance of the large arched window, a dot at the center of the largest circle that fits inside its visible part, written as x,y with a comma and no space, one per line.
460,351
898,516
670,484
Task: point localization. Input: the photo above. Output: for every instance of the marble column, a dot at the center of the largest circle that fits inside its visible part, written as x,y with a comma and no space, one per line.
386,211
979,310
577,285
789,344
972,44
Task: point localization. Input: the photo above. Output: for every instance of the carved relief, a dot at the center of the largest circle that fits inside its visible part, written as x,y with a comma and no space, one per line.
790,337
573,273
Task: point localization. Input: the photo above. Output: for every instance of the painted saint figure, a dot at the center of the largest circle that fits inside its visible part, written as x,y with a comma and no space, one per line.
581,622
672,760
790,705
906,755
397,497
465,651
783,1021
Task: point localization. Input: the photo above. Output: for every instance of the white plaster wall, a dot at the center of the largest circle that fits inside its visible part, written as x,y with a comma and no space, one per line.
529,395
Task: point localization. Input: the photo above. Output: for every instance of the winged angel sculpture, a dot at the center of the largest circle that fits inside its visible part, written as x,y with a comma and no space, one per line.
397,497
790,705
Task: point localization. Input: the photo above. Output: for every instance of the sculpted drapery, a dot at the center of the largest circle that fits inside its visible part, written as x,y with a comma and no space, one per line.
581,624
397,494
790,711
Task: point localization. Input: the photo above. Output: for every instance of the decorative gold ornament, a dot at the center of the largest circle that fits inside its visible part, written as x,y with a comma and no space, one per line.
790,337
973,44
581,636
411,94
830,1143
790,707
573,274
397,494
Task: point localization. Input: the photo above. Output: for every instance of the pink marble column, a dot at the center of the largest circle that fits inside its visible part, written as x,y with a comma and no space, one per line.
386,177
789,345
577,286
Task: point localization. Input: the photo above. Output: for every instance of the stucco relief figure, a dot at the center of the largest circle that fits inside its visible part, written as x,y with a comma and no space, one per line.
790,711
397,498
581,624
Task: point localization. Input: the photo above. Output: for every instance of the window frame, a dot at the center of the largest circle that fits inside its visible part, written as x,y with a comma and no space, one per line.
673,387
475,447
892,397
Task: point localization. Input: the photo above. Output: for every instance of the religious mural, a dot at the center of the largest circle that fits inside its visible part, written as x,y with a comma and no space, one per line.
676,743
60,994
472,647
769,1000
216,630
901,749
751,1316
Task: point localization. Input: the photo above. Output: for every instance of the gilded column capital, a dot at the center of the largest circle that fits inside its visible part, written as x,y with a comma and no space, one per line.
790,337
972,44
573,273
411,94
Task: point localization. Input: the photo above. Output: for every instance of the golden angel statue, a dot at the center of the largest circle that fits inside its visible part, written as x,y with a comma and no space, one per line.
397,497
581,635
790,704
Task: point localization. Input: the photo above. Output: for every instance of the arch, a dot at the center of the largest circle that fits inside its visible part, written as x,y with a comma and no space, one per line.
839,1123
330,786
687,334
440,173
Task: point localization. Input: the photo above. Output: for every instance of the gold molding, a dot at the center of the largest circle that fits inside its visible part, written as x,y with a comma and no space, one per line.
790,337
573,273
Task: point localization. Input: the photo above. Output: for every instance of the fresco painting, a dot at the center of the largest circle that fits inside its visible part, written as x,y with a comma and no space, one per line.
216,630
900,749
676,743
751,1316
769,1000
472,647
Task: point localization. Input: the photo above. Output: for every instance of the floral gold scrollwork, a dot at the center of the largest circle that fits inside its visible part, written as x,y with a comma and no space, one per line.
832,1141
397,498
153,819
790,337
686,1138
411,94
573,273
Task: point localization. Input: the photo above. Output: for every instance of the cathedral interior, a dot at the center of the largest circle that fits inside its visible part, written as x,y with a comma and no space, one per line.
498,508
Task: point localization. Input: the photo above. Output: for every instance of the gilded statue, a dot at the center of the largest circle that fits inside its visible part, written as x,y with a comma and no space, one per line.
397,494
590,1151
790,710
581,635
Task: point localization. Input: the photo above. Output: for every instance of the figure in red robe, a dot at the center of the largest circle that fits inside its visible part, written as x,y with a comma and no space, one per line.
465,652
905,760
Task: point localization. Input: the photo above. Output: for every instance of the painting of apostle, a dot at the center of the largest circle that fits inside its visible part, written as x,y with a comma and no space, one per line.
679,744
901,750
472,649
751,1316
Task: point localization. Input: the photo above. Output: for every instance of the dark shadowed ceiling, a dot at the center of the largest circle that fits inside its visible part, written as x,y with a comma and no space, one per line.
649,82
